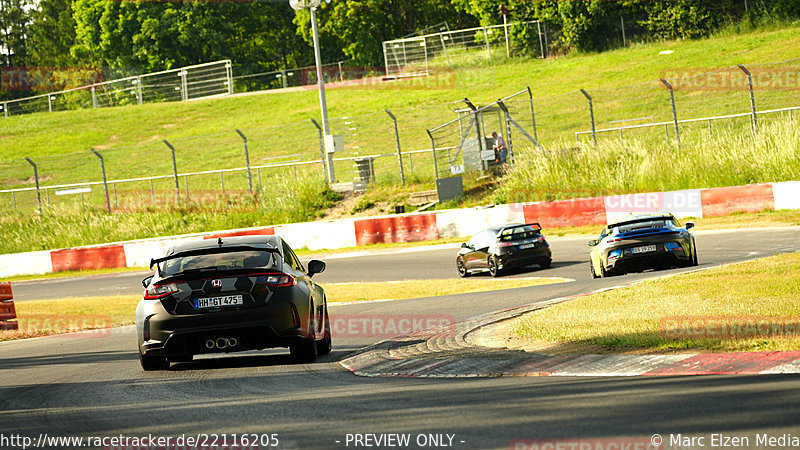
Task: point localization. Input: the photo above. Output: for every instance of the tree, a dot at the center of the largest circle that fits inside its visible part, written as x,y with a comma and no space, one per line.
135,37
356,29
52,33
14,24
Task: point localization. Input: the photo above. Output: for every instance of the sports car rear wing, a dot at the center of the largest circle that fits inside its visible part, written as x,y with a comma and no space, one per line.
212,251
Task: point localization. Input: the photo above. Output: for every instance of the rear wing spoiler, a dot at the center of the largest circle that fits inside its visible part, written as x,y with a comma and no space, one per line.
211,251
535,226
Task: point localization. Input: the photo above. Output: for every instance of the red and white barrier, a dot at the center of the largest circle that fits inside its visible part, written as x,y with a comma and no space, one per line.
427,226
7,310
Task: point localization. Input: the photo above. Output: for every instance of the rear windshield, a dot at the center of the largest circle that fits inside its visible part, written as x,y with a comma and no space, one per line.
520,232
644,225
217,262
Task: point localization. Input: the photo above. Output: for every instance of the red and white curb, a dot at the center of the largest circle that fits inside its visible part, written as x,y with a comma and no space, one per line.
449,353
414,227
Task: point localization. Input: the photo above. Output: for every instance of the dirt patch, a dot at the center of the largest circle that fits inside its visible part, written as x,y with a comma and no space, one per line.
349,207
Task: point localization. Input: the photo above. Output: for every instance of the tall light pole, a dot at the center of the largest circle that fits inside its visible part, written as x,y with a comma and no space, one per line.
312,6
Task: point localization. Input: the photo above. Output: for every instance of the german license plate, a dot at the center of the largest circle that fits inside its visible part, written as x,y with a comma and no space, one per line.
645,249
523,247
217,302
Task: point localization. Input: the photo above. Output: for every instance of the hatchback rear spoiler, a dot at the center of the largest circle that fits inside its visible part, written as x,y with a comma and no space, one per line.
212,251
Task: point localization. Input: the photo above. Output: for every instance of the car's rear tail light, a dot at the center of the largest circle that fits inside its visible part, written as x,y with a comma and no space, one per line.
156,291
673,246
505,244
276,280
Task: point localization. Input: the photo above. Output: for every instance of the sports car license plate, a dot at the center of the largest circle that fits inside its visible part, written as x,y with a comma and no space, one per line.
523,247
645,249
217,302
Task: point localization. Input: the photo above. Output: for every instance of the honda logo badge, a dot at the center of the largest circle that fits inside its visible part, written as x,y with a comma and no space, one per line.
216,283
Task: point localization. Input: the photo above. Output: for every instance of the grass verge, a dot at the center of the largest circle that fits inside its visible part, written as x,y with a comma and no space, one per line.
68,315
750,306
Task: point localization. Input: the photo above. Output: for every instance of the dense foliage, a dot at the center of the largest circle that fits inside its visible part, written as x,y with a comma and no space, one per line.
125,37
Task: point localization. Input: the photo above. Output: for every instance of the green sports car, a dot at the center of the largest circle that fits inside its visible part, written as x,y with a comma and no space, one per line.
642,242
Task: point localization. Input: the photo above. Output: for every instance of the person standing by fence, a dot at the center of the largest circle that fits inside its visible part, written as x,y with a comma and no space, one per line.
500,151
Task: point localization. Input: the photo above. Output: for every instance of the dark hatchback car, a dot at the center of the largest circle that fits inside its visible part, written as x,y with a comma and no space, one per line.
499,249
231,295
642,242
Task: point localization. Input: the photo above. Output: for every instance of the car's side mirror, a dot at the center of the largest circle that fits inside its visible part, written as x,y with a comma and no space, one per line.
593,242
146,281
464,245
689,225
315,266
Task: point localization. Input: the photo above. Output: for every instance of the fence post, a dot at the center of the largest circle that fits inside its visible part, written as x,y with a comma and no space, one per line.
247,161
674,111
541,45
184,89
478,131
222,183
175,173
486,38
49,103
94,97
591,115
229,75
14,199
533,115
399,152
341,73
754,119
283,78
139,89
325,173
152,192
433,152
444,47
5,109
36,178
507,130
105,180
624,40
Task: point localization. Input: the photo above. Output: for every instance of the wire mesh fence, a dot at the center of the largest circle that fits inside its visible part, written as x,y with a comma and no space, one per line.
482,138
392,146
416,55
185,83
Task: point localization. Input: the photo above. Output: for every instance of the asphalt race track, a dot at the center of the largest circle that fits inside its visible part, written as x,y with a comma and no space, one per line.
92,385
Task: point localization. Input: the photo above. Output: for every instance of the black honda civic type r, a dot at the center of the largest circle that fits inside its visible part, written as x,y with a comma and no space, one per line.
498,249
231,295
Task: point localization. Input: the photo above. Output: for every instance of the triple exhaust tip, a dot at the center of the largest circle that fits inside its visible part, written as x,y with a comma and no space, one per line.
222,343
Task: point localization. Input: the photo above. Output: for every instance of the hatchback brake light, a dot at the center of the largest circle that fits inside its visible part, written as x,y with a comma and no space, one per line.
156,291
276,280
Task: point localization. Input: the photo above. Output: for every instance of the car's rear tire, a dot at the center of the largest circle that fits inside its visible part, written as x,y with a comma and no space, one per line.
603,272
694,257
546,263
462,267
591,269
325,345
304,351
493,267
151,363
